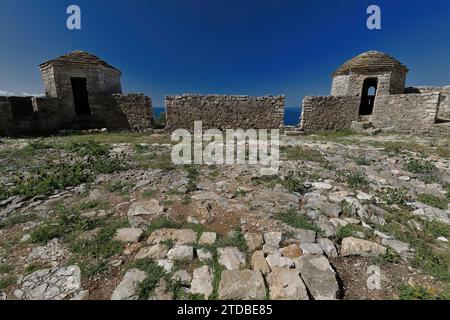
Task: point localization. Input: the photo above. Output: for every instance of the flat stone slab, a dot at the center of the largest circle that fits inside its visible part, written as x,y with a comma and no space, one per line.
286,284
328,247
319,277
398,246
208,238
254,241
181,253
128,235
202,282
231,258
273,238
242,285
292,251
156,252
50,284
142,213
259,262
178,236
277,261
127,288
359,247
311,248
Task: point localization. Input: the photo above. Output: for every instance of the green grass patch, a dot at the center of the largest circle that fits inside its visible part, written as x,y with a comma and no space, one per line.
149,193
394,196
433,201
16,219
5,268
90,254
305,154
295,184
355,179
293,219
419,166
7,282
350,230
407,292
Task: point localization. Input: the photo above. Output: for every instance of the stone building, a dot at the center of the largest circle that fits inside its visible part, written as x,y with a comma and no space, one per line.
81,92
369,91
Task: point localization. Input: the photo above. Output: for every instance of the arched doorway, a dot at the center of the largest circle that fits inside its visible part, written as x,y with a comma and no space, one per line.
368,96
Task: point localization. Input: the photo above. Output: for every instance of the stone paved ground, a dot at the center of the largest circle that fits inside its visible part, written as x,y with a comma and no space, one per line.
108,216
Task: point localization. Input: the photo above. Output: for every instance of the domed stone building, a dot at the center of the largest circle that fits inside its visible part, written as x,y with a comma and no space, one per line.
369,91
367,75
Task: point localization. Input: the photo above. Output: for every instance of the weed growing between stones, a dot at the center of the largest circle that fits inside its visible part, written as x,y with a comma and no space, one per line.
293,219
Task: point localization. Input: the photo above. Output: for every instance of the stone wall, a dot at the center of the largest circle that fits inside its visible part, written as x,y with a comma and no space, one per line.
329,113
137,109
444,103
406,113
115,112
352,85
5,115
225,112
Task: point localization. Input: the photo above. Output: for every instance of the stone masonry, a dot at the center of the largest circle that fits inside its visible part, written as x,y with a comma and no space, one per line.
409,113
225,112
329,113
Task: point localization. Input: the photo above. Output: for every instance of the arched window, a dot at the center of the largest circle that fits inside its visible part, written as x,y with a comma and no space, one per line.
368,96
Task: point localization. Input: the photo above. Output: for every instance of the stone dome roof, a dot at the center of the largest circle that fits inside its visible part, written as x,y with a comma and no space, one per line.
371,61
79,58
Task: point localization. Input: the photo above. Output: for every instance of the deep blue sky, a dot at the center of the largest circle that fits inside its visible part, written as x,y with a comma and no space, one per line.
252,47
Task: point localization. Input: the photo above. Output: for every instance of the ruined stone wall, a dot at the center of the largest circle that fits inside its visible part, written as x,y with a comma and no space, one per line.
406,113
137,109
225,112
47,117
352,85
444,103
5,115
329,113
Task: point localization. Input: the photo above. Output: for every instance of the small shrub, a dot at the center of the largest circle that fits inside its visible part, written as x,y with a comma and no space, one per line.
349,231
419,166
408,292
7,282
118,186
154,274
295,184
390,257
357,179
395,196
236,239
293,219
363,161
346,209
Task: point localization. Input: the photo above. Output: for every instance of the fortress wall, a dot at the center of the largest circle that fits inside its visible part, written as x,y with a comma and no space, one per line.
5,114
329,113
406,113
137,109
225,112
444,103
